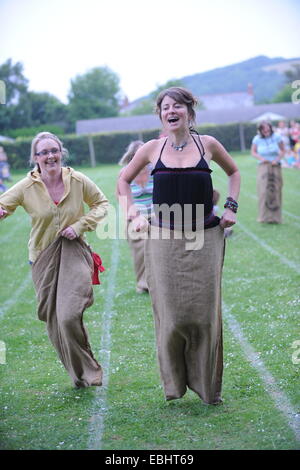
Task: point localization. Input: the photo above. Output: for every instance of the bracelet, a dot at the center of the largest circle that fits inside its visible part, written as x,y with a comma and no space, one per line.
231,204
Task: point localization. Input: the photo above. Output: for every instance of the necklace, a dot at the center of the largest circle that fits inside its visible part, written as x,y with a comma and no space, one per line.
179,148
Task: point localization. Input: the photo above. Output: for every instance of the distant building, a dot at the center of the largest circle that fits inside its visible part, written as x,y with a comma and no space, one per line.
205,116
228,100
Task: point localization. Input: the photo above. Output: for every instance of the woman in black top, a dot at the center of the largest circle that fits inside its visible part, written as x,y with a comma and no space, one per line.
185,280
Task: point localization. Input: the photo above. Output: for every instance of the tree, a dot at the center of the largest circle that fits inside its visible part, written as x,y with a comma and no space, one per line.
94,95
46,109
147,105
293,73
168,84
15,83
16,110
285,94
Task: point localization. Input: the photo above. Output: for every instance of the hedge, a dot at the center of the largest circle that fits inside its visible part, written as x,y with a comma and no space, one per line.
110,146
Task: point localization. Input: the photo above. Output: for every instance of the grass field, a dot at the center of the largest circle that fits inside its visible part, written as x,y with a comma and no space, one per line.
261,410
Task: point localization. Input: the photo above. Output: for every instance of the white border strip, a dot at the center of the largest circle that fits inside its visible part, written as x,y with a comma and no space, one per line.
96,428
281,400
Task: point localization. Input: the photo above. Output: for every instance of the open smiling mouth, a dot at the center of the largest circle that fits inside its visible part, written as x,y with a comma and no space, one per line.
173,119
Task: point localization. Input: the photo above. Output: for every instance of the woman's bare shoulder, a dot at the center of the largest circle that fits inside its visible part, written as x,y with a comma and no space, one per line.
153,144
152,148
208,140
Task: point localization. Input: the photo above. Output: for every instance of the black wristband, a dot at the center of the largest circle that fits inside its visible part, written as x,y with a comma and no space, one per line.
231,204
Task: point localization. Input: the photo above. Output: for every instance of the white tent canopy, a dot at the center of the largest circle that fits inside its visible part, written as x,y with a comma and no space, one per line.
4,138
269,117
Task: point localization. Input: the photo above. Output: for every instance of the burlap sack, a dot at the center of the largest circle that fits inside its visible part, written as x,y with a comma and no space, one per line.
63,283
269,188
137,248
185,289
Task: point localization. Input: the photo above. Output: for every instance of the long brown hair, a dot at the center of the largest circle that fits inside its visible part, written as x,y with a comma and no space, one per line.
130,152
181,95
261,125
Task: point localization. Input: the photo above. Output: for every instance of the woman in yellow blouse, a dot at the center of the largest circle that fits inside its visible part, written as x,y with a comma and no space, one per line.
62,263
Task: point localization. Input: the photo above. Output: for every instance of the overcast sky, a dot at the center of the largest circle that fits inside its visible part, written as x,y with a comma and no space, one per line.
146,42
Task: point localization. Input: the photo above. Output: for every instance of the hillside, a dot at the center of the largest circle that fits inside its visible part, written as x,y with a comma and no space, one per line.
265,74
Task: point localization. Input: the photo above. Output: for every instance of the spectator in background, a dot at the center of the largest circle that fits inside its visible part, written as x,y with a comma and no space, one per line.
283,130
294,133
268,148
296,163
215,200
4,170
141,189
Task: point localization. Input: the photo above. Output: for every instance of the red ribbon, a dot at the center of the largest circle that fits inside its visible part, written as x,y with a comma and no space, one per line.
97,267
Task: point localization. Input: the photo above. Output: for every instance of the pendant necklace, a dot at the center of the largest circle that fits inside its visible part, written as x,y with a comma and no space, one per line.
179,148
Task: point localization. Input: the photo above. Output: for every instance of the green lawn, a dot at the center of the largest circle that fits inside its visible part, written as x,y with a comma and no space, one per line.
41,410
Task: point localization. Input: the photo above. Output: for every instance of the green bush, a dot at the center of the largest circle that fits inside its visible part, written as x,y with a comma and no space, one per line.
110,146
32,131
229,134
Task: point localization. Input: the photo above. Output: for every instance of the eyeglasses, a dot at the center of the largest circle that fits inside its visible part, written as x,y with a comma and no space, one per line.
44,153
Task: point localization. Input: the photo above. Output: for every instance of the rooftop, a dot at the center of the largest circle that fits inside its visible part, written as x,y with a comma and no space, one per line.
212,116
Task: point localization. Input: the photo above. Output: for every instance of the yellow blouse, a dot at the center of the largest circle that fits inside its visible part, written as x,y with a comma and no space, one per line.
49,219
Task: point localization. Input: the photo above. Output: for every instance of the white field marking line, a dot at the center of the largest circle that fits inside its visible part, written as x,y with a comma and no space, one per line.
18,222
250,280
286,189
253,196
291,191
271,250
297,217
282,402
283,259
289,214
7,305
96,428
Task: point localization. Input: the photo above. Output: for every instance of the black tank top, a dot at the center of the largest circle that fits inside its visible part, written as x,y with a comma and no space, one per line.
187,187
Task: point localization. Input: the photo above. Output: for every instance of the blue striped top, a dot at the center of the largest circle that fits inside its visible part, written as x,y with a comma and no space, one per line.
142,196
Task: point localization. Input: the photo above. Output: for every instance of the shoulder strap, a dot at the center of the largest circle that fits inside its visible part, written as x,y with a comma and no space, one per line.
162,148
201,150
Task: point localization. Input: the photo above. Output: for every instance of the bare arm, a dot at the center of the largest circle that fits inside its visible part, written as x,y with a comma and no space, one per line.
281,152
11,199
226,162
